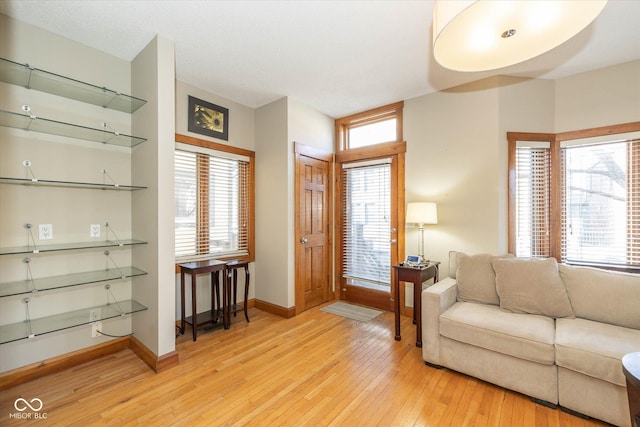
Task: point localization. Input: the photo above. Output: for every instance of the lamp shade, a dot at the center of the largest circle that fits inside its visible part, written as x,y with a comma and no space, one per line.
422,213
488,34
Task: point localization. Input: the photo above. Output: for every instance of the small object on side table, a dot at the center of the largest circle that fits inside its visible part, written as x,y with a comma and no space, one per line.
417,276
631,370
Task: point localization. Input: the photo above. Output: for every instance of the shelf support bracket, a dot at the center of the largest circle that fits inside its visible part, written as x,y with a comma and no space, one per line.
108,228
31,239
108,255
108,288
28,319
30,275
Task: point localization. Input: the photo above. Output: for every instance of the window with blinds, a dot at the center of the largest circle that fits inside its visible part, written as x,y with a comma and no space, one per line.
597,205
600,209
212,204
533,199
366,221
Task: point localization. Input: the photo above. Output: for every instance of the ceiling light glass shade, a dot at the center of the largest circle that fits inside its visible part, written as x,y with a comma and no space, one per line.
488,34
422,213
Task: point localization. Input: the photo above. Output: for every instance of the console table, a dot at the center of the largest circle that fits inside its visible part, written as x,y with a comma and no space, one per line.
201,267
417,276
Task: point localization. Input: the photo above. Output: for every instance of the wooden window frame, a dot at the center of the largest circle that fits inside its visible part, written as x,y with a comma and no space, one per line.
556,193
203,208
344,124
344,154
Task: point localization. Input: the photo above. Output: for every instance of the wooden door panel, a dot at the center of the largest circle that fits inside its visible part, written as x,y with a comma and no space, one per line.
313,231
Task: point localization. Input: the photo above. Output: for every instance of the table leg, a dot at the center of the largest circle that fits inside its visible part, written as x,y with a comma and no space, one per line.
194,313
417,310
214,285
396,297
182,303
246,291
226,299
235,291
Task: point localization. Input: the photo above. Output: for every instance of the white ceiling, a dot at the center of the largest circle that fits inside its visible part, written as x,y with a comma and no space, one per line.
339,57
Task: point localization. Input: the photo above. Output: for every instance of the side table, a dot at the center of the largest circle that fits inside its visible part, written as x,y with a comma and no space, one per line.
415,275
200,267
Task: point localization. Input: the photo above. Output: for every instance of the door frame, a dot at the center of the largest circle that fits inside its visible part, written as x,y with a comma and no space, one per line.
395,150
308,151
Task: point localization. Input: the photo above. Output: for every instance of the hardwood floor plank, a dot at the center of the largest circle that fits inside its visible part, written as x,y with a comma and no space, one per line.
314,369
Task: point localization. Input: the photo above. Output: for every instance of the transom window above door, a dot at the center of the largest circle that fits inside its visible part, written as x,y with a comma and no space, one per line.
377,126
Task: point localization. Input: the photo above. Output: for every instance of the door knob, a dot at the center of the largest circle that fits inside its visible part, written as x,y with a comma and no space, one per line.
303,240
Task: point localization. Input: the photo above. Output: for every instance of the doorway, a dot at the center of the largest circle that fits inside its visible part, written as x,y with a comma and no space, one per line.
367,228
313,229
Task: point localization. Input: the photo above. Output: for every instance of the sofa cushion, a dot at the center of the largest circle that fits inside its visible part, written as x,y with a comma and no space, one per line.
603,296
532,286
527,337
476,278
594,349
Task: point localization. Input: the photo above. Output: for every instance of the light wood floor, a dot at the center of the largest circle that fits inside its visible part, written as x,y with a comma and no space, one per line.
315,369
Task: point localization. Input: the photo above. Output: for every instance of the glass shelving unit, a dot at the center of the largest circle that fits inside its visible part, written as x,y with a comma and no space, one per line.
38,124
23,287
45,81
40,80
67,184
32,328
68,246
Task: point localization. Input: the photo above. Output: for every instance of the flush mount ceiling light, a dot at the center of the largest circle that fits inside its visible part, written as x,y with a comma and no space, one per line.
488,34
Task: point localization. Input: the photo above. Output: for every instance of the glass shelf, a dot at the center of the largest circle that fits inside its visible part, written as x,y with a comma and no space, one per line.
45,325
67,280
34,78
72,184
68,246
53,127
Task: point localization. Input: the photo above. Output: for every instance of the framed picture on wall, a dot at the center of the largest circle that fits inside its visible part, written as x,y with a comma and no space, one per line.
208,119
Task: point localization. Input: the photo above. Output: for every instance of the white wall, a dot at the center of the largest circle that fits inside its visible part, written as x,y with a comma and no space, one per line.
153,79
273,181
602,97
452,159
71,211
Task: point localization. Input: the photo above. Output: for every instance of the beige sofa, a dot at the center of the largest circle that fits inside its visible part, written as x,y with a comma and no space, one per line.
554,332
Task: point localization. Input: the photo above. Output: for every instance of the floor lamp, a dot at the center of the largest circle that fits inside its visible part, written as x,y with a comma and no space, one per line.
422,213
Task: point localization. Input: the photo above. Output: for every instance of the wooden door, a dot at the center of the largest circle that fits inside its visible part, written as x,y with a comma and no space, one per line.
313,227
382,206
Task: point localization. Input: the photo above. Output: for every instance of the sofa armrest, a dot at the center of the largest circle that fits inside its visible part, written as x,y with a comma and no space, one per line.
436,300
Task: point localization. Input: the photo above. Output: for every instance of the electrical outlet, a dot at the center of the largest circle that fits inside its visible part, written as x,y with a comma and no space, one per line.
94,230
94,315
45,231
96,327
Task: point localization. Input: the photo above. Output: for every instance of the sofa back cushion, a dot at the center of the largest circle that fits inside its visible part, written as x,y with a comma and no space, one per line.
476,278
534,286
603,296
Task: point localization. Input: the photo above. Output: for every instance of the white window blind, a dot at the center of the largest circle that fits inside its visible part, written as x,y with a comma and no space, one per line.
600,205
212,198
533,199
366,222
